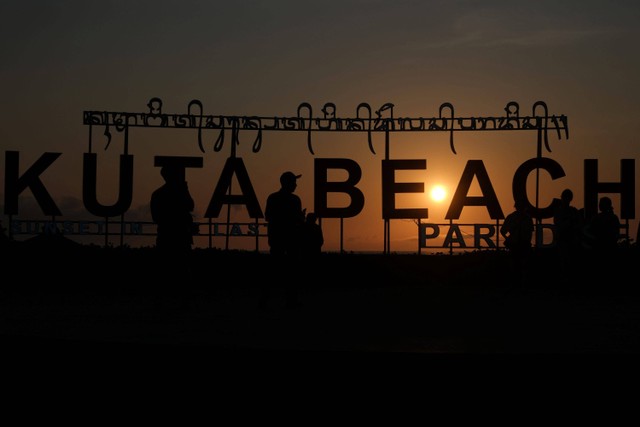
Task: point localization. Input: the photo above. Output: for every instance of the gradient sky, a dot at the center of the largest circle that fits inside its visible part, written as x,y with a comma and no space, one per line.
264,58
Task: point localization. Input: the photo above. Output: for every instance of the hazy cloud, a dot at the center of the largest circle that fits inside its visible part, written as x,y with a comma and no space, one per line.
535,38
489,37
498,24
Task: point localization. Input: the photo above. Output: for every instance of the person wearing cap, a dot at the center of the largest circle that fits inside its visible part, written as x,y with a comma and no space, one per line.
285,216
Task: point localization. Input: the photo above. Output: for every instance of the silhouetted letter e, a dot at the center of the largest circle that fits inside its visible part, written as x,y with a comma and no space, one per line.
390,188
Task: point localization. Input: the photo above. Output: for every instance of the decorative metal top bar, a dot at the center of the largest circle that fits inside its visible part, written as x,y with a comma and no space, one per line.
365,120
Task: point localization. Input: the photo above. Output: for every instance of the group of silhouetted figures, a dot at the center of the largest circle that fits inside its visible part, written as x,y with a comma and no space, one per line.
292,232
295,237
573,233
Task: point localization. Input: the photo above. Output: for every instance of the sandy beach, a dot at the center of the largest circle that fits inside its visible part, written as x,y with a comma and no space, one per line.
73,296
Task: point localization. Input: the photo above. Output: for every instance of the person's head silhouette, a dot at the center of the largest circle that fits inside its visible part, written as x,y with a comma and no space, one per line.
566,196
171,174
605,204
521,205
288,181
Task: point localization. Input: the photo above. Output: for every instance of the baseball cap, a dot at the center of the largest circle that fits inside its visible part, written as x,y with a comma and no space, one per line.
289,177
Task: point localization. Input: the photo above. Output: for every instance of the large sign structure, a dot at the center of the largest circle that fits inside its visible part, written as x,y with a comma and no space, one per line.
366,121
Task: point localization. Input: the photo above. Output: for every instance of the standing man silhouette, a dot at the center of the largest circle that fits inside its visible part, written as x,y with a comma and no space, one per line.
604,228
517,229
603,231
312,236
568,224
285,217
171,207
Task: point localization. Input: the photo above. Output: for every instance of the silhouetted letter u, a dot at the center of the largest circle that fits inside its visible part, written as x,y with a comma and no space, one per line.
89,186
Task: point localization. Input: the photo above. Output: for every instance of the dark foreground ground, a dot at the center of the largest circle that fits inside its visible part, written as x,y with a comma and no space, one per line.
57,295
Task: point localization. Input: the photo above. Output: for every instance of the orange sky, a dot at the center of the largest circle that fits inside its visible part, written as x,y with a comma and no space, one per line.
260,58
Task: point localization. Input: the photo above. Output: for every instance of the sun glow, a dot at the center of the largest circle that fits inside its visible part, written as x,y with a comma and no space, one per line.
438,193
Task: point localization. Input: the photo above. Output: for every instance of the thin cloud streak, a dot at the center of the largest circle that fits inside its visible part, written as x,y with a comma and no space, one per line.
535,38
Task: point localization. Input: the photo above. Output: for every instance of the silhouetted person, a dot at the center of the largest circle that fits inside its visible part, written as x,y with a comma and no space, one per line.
285,217
604,228
517,231
171,206
602,232
568,223
5,245
312,236
4,238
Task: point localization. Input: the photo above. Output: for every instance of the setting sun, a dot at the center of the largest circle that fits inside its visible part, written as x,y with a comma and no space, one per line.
438,193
